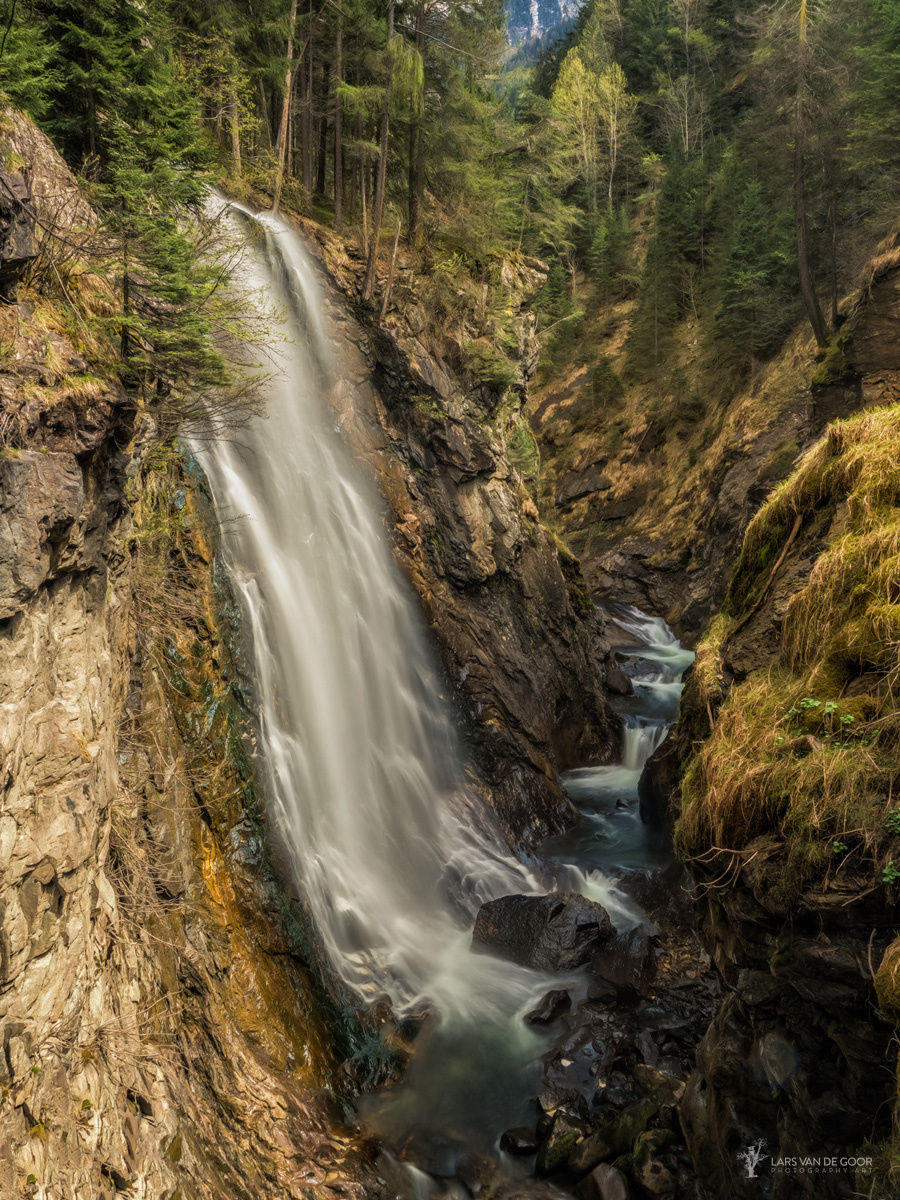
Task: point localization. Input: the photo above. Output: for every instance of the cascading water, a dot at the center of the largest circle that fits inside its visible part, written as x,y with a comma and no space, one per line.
610,836
363,772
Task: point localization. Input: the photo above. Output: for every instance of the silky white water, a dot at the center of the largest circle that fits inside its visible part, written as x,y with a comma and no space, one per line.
364,774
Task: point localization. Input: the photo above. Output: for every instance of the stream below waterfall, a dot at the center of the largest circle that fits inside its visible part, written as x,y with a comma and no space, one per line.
363,771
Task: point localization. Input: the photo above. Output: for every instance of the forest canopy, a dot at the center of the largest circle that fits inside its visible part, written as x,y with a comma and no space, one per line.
709,159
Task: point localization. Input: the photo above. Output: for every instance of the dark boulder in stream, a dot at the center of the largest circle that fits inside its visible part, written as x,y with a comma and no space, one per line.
615,678
550,1007
656,783
556,932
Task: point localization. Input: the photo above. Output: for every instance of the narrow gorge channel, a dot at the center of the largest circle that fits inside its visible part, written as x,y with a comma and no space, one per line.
390,848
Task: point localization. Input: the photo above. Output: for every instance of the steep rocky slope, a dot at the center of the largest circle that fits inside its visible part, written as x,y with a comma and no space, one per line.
654,483
788,819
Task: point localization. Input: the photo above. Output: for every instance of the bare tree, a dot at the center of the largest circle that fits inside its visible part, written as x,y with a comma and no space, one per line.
807,287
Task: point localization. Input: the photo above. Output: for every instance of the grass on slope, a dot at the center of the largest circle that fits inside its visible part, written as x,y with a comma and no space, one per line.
809,747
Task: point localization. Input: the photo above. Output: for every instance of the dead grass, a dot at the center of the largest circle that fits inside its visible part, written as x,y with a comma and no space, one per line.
809,748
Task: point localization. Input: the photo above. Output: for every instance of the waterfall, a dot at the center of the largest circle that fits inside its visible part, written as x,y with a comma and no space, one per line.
639,740
363,773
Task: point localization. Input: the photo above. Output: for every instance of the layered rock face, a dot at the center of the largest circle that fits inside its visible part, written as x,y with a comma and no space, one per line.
521,641
159,1031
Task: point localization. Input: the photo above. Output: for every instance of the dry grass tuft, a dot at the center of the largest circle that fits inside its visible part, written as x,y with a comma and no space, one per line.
809,748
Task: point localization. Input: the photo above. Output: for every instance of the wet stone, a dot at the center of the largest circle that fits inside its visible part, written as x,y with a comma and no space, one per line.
555,932
589,1153
627,962
564,1134
520,1141
605,1182
617,681
550,1008
476,1173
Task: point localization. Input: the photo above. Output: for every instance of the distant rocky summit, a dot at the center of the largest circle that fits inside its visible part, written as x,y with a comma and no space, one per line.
529,20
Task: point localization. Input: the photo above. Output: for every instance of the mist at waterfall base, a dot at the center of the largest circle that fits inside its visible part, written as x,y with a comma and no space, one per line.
363,773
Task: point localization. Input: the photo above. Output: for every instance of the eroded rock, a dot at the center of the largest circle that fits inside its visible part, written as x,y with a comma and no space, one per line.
18,247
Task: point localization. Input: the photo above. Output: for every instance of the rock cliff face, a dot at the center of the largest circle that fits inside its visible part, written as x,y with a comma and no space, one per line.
530,20
521,640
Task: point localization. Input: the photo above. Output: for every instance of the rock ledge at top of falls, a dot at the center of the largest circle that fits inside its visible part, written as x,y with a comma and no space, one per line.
555,932
522,644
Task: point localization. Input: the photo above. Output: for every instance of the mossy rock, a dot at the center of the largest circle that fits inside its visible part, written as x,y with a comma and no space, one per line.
565,1132
489,366
835,366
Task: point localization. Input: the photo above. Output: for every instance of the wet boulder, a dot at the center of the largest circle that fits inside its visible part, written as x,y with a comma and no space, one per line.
520,1141
565,1132
555,932
604,1183
477,1173
550,1008
656,784
615,678
625,964
589,1153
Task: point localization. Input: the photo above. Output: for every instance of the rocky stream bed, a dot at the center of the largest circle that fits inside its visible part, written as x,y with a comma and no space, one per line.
617,1032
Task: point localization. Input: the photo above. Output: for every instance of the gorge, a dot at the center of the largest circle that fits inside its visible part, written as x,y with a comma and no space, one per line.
448,675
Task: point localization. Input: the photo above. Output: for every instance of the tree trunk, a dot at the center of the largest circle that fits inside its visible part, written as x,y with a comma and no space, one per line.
234,121
378,204
807,287
417,141
281,144
308,113
264,109
338,131
323,134
386,299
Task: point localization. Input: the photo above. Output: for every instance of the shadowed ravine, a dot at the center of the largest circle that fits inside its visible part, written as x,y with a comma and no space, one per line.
364,773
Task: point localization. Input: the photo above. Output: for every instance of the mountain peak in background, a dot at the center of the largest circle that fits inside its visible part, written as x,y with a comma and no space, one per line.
529,20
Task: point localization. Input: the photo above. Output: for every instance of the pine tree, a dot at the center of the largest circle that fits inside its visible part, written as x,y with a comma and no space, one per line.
130,121
27,72
610,250
555,292
756,307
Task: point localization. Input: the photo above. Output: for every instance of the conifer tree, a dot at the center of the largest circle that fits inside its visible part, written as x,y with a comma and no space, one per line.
755,309
27,72
130,122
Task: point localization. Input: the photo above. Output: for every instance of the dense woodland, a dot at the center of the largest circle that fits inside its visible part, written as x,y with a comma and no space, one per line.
723,162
